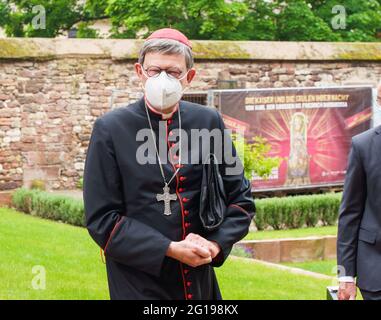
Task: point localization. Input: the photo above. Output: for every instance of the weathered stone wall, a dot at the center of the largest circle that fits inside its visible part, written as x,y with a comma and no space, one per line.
291,250
51,91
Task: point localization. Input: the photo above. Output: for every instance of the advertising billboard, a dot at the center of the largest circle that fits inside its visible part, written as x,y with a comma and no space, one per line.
309,128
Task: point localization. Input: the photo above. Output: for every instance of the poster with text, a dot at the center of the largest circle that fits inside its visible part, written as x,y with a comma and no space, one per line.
310,129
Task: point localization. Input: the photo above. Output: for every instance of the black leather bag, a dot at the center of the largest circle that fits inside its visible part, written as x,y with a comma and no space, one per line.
213,196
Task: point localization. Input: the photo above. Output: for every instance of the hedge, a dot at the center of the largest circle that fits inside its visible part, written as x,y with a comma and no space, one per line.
50,206
297,211
277,213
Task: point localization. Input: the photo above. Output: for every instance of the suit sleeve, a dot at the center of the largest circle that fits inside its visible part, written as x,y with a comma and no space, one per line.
350,214
124,239
240,204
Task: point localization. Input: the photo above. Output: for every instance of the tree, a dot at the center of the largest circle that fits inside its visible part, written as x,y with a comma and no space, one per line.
297,22
362,17
4,13
60,15
202,19
254,155
286,20
260,22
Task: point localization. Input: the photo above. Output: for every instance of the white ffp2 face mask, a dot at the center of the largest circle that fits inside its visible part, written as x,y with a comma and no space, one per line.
163,91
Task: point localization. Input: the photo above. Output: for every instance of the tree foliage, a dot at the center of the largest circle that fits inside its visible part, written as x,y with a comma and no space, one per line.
363,17
254,155
60,15
276,20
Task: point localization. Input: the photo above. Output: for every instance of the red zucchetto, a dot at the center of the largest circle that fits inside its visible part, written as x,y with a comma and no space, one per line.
169,33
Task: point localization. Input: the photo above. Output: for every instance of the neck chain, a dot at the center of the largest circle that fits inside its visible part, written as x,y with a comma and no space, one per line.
166,196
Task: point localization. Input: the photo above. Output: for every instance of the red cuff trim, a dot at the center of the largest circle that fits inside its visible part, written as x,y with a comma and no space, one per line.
112,233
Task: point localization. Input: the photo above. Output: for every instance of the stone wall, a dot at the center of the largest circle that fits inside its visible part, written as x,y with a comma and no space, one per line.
51,91
291,250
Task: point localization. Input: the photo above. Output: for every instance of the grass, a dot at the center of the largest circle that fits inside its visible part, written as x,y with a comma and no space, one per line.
292,233
245,279
70,258
74,269
327,267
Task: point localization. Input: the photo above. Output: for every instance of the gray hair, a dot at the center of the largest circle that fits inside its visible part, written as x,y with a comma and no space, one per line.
166,46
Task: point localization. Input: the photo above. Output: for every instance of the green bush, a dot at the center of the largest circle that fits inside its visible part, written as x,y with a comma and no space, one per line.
50,206
241,251
297,211
278,213
80,183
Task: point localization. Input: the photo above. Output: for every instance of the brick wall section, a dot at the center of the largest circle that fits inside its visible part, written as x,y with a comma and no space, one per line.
48,105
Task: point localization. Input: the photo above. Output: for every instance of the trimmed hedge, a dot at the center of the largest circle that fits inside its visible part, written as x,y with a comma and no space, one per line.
277,213
50,206
297,211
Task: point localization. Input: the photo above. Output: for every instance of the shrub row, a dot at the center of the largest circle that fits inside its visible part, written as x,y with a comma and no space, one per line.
277,213
297,211
50,206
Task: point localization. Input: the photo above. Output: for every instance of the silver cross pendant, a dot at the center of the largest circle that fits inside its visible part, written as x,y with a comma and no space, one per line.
167,198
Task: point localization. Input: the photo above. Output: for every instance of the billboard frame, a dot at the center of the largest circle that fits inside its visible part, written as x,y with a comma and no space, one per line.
212,103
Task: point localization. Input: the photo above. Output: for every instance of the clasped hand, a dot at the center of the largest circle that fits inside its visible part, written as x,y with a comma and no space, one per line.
194,250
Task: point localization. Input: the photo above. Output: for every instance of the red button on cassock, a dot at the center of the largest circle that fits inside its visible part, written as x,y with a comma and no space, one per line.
186,212
187,224
186,271
169,121
189,284
185,199
181,189
182,178
190,296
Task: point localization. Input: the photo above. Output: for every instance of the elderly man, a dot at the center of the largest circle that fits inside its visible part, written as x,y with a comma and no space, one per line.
145,215
359,234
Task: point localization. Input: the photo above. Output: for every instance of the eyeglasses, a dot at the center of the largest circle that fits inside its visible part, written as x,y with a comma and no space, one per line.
174,73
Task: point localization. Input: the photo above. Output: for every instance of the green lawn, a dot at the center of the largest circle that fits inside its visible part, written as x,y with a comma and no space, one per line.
292,233
327,267
70,258
74,269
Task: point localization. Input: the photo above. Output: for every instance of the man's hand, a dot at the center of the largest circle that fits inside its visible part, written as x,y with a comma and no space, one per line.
212,246
189,253
347,291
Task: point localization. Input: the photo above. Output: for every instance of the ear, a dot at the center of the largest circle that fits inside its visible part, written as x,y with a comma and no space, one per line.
138,70
191,75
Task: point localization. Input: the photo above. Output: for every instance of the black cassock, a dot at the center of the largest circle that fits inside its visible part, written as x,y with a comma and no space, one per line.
125,219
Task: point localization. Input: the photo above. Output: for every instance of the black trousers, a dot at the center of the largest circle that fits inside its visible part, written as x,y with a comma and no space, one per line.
368,295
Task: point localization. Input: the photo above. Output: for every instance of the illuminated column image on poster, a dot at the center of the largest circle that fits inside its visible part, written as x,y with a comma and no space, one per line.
298,172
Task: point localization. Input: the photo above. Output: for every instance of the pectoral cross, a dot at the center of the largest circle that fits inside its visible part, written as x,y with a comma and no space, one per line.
167,198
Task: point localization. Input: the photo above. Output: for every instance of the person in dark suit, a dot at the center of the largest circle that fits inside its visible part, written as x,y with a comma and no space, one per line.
359,231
